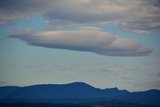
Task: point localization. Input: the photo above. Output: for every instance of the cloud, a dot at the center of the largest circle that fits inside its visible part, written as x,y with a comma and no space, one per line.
138,16
89,40
13,10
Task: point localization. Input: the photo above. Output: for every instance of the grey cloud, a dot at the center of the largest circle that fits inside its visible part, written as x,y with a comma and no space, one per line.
12,10
89,40
134,15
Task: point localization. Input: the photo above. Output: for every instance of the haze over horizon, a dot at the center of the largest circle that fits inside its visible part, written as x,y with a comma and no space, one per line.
103,43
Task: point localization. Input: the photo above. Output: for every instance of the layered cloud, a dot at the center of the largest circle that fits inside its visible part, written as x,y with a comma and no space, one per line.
135,15
89,40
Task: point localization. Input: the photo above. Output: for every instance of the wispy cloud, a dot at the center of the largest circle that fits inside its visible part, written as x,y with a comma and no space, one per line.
89,40
3,83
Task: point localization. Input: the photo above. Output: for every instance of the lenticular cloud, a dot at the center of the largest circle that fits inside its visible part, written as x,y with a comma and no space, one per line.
89,40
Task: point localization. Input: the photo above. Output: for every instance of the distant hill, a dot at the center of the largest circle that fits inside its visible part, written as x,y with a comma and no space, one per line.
74,93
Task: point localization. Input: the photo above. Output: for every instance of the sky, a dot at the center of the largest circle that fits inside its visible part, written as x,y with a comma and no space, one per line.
105,43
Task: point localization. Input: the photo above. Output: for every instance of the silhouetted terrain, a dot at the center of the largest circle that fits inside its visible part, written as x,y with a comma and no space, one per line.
75,94
92,104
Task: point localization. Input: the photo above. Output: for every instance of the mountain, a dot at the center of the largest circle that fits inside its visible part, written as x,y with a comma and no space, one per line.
76,92
7,90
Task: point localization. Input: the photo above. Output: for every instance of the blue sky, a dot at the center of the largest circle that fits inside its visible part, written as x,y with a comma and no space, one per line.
57,42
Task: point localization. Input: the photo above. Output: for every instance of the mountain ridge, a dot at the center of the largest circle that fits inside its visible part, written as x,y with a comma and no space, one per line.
76,91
